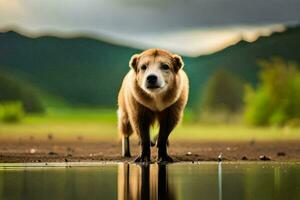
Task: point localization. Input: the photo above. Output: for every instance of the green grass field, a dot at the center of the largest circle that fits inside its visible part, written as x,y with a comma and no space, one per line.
101,124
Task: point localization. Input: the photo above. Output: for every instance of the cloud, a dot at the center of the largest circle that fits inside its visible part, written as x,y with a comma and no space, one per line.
149,21
197,42
144,16
11,11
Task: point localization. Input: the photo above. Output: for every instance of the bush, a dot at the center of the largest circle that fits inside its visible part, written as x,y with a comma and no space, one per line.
276,100
293,122
257,101
11,112
12,89
222,96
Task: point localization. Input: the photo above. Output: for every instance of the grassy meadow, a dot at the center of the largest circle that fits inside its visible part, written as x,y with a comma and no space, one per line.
101,124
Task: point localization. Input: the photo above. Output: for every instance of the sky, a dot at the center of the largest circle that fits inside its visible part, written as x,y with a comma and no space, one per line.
189,27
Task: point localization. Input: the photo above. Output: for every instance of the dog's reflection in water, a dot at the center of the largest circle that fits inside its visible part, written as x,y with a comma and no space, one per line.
143,182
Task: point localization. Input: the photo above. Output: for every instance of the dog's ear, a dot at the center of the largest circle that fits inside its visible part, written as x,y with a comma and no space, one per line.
178,62
134,61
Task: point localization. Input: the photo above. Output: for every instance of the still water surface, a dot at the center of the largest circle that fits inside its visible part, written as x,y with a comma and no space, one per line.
175,181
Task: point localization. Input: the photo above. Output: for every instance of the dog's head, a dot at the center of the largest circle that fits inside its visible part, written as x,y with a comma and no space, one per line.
156,70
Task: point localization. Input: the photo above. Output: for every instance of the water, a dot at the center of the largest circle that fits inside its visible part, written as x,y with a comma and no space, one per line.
130,181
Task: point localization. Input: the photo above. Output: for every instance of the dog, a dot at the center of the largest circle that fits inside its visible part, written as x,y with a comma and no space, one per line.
155,89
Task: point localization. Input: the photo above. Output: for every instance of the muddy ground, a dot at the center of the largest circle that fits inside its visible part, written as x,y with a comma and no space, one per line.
79,151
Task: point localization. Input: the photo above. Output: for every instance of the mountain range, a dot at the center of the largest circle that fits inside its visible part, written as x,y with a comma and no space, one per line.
86,71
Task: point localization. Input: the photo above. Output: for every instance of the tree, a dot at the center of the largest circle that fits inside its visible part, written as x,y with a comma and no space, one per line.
276,100
223,92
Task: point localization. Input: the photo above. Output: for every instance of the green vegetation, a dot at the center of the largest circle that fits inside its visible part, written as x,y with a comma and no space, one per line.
13,89
276,101
99,124
223,95
11,112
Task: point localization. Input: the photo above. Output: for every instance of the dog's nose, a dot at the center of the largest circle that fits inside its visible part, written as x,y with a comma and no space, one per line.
151,79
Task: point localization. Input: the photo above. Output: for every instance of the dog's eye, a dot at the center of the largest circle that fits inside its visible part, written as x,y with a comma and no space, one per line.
144,67
165,67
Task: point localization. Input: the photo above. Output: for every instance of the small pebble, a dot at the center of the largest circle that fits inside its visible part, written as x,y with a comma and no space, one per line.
244,158
263,157
220,157
32,151
52,153
96,154
280,153
188,153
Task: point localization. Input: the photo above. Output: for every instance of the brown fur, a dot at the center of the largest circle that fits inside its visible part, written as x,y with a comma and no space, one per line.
138,109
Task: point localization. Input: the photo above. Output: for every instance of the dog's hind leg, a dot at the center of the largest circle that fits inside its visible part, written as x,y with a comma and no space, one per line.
125,130
125,147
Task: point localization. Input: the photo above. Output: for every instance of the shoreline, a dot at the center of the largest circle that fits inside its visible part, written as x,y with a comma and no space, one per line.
181,151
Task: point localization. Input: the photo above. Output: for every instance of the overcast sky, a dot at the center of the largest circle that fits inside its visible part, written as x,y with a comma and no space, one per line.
147,21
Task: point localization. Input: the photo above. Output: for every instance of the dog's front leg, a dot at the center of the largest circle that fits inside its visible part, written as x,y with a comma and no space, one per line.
145,152
168,119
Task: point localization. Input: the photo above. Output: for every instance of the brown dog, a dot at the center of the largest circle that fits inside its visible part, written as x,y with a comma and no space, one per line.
156,88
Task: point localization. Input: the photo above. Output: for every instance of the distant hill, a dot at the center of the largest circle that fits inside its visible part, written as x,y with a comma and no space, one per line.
242,58
82,70
86,71
14,90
